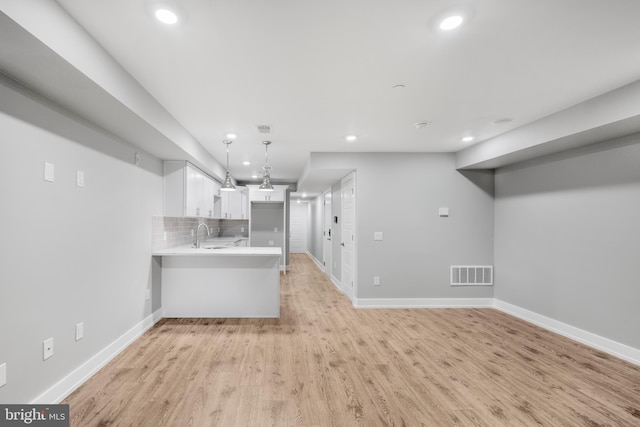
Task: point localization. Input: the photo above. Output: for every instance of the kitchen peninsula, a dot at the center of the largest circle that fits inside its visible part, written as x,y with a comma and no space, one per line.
220,281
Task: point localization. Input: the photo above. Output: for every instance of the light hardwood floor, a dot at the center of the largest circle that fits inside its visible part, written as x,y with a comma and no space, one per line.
323,363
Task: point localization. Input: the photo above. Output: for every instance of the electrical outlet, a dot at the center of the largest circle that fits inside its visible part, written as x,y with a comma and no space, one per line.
275,229
47,348
79,331
270,242
376,280
148,294
165,236
3,374
377,235
137,159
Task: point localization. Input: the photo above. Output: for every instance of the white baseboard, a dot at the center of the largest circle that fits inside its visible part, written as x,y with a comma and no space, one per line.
422,302
336,282
318,263
75,379
606,345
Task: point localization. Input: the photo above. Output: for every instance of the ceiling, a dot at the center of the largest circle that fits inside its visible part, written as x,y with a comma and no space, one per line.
319,71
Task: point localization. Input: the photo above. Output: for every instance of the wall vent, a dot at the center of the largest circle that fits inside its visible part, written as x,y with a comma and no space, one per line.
264,128
471,275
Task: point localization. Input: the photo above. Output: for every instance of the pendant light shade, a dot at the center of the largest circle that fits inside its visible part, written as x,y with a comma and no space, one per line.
266,176
227,185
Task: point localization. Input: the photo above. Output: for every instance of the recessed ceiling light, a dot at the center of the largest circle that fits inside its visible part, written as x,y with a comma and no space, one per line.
351,138
232,136
467,139
304,195
421,125
246,163
166,16
451,22
254,176
398,87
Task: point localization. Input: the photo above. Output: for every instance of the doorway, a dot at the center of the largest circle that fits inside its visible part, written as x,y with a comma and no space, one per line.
348,230
299,228
326,233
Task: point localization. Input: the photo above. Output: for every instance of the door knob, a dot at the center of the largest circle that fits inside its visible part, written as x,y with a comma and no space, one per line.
342,244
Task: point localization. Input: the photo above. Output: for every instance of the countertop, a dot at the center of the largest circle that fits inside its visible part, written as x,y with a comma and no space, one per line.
209,249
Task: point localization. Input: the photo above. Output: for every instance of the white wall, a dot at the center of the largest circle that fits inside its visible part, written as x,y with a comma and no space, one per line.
68,254
567,240
336,230
315,228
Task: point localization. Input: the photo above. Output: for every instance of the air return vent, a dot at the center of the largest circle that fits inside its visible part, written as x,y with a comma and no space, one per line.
471,275
264,128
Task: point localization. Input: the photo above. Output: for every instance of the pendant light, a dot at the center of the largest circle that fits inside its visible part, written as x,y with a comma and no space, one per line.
227,185
266,177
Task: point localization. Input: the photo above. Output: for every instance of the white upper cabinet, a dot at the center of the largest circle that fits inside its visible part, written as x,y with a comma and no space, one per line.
234,203
189,192
195,205
208,194
277,195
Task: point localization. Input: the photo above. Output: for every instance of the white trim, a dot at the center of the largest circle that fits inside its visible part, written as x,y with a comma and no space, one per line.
335,281
614,348
423,302
75,379
318,263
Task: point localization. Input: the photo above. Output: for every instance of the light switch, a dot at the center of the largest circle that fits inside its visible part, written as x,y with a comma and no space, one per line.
48,171
377,235
275,229
79,331
376,280
3,374
443,212
80,179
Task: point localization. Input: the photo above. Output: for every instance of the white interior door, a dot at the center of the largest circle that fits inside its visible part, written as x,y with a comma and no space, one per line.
299,226
326,233
348,196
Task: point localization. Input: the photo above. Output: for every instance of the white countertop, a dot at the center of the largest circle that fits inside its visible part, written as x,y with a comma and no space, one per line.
209,249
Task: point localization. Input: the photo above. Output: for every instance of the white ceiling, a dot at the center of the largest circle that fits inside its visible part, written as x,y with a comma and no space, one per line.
318,71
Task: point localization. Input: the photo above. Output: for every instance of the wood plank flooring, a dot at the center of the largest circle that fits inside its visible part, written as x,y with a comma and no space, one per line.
323,363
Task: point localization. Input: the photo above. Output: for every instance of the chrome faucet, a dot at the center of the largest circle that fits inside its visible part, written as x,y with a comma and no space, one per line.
197,242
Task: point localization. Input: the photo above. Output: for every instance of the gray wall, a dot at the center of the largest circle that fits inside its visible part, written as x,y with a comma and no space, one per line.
264,218
68,254
399,194
567,240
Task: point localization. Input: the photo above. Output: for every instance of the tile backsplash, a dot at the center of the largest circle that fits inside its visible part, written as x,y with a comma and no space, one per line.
178,230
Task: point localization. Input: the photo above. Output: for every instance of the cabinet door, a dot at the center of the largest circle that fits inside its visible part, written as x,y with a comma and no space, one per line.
217,201
235,205
207,197
277,195
244,204
194,184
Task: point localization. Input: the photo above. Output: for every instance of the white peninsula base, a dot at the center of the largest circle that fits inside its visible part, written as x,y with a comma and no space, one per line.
222,283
